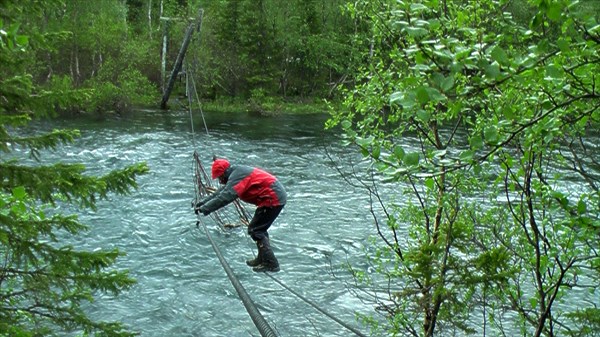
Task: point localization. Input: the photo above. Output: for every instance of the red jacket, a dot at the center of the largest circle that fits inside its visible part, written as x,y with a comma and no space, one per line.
251,185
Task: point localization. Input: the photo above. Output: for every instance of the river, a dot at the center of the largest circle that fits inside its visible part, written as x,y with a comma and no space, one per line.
182,289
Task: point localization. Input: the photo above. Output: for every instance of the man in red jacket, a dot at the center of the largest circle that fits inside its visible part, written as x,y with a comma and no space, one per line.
254,186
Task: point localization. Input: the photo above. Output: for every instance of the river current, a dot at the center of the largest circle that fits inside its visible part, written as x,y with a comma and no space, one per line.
182,289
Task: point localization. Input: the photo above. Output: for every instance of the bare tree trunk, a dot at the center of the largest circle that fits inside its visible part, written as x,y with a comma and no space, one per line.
150,19
163,65
74,66
77,72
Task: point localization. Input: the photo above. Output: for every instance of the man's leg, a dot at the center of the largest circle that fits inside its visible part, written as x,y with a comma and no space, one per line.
257,229
257,260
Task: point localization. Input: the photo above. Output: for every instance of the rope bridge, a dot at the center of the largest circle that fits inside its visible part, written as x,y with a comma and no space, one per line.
203,188
227,218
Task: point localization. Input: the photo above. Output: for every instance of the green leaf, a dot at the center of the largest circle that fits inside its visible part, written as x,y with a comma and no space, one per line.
533,302
416,8
439,153
365,153
19,193
364,142
508,112
554,11
564,202
405,100
423,115
22,40
477,169
421,59
411,159
476,142
581,207
553,72
492,70
563,45
416,32
499,55
376,151
430,183
422,95
467,155
399,153
427,94
447,83
536,21
491,134
19,209
435,95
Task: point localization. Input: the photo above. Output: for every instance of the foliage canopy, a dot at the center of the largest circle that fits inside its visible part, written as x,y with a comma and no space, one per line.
500,109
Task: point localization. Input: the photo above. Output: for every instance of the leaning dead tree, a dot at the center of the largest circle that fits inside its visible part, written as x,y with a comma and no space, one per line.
180,56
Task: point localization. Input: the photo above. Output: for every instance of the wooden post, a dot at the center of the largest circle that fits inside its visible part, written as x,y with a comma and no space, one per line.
179,61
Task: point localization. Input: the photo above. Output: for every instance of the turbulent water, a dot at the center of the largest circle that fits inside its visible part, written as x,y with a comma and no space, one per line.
182,289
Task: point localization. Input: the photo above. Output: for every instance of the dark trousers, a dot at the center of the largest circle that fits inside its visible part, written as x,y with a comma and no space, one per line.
262,220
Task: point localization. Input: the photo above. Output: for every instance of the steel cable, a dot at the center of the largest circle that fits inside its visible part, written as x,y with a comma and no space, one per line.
203,187
314,305
259,321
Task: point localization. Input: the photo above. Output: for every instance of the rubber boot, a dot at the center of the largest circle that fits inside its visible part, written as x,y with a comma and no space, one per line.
269,262
257,261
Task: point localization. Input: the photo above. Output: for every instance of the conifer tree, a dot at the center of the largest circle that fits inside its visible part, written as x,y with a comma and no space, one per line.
44,281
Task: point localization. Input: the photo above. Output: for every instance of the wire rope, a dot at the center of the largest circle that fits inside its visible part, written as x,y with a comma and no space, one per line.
259,321
199,105
203,186
317,307
203,189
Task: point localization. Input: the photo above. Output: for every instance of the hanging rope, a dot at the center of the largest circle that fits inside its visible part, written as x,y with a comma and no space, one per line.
203,187
198,100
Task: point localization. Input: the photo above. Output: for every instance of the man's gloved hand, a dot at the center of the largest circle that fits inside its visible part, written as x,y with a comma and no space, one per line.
197,207
204,211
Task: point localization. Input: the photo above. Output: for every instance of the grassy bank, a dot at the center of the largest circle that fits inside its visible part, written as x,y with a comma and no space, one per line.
267,106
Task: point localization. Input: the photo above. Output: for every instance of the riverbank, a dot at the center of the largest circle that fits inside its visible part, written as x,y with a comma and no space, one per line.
269,106
265,107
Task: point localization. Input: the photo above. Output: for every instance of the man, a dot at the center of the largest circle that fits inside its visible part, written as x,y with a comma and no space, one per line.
254,186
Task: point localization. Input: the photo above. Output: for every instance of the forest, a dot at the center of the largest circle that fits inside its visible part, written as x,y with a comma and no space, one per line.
502,96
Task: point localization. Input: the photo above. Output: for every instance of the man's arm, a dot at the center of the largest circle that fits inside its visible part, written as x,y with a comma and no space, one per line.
223,196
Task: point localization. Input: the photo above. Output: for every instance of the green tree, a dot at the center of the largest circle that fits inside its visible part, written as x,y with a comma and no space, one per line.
94,47
317,37
491,238
291,49
245,45
43,280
